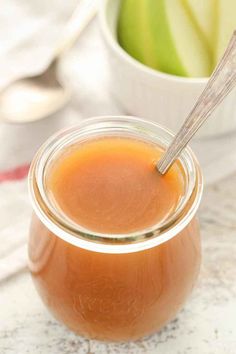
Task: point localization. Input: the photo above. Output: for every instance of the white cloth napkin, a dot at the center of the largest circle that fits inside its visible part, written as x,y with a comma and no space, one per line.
28,32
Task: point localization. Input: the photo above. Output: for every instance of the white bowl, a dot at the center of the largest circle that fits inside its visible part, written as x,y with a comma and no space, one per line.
148,93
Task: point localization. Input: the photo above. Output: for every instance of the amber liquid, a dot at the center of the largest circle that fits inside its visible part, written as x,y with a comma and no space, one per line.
111,185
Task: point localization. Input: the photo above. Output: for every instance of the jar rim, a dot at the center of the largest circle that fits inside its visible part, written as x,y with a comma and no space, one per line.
113,243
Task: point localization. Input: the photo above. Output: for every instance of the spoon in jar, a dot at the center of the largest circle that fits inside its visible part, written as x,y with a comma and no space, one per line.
220,84
35,97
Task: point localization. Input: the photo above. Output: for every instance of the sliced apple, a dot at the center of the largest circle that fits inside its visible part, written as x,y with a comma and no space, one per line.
134,31
226,25
160,33
179,46
204,16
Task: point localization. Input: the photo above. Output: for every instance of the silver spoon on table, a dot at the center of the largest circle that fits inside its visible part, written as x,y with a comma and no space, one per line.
220,84
36,97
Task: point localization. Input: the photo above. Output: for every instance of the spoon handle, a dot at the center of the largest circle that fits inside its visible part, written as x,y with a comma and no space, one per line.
220,84
81,17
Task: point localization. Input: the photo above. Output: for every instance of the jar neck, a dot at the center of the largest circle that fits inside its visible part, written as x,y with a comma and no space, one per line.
113,243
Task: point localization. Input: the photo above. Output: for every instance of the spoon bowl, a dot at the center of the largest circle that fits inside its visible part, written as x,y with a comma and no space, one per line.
33,98
36,97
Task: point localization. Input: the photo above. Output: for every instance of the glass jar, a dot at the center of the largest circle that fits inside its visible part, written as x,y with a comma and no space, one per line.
113,287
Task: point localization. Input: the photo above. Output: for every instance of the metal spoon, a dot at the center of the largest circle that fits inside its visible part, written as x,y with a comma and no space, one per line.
36,97
220,84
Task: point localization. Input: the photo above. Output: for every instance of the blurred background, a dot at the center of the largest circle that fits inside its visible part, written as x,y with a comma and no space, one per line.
29,33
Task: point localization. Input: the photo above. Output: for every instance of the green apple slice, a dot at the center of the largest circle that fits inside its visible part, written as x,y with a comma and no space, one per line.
133,31
226,25
203,13
179,47
162,35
